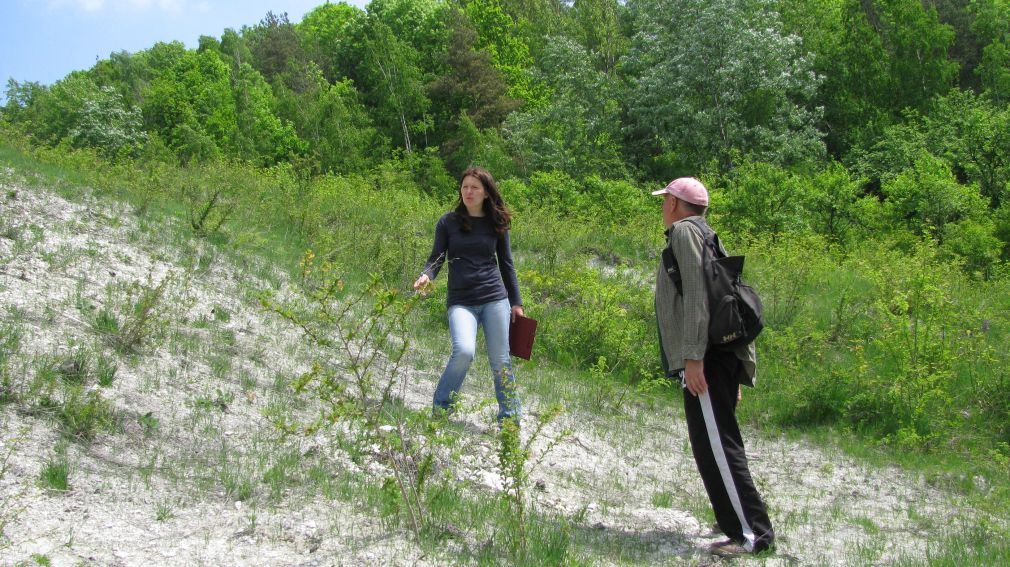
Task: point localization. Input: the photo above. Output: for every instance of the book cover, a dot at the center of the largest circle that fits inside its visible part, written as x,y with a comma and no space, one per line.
521,335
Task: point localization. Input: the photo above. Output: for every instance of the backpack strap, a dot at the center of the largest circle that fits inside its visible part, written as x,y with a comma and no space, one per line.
670,263
710,239
672,269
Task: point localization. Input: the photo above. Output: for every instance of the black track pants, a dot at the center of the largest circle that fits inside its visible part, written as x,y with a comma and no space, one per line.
720,456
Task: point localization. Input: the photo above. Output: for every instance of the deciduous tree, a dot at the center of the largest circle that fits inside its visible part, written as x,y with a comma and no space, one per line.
471,87
577,132
718,80
323,34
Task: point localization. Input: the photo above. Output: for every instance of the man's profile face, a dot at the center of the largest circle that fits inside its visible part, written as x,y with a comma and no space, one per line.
669,209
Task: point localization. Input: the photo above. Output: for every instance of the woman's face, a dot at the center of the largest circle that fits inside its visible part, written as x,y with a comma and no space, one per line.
473,193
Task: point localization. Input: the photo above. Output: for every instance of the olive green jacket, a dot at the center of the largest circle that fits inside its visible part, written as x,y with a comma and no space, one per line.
683,319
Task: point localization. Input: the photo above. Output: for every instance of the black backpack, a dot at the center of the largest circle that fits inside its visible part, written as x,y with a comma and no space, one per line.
735,313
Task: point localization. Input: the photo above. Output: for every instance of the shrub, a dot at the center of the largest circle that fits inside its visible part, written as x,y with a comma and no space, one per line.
134,314
973,244
593,316
897,344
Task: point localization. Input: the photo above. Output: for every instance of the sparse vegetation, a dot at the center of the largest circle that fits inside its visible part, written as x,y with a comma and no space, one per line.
516,462
886,329
134,314
10,502
10,344
368,342
55,473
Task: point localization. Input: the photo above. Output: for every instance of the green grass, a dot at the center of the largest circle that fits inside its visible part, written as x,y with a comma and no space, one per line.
282,474
105,372
11,505
829,338
164,511
106,323
662,499
83,415
967,545
55,473
11,330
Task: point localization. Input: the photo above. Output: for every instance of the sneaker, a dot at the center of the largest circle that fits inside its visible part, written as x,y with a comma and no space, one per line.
727,548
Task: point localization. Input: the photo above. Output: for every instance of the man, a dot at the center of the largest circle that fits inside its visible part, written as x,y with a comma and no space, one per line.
710,378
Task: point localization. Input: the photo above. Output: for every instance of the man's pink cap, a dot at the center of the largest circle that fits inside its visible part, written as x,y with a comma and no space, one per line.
686,189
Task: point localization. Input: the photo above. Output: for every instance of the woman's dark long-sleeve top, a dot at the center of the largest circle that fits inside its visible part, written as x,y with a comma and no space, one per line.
480,262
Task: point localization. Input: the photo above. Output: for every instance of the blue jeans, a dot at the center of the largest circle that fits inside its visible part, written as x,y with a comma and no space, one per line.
495,317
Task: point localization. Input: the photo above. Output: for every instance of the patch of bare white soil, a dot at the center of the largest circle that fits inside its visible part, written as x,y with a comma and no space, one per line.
195,472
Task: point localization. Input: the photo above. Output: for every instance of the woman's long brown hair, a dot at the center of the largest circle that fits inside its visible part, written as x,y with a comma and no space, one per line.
494,205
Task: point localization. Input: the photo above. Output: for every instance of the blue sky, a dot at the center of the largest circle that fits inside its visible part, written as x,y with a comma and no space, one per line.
43,40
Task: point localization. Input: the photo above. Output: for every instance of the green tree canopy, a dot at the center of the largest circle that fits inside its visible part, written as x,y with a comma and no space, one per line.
470,87
577,132
721,79
888,56
323,35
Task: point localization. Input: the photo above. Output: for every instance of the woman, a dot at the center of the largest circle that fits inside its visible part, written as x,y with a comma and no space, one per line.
483,288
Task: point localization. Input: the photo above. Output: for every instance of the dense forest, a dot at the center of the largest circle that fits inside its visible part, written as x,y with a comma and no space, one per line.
857,150
908,95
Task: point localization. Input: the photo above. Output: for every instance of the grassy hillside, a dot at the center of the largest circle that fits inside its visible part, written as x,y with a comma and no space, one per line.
181,366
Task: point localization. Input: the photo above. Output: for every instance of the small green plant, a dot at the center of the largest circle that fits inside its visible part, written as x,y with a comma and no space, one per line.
219,401
134,314
106,323
209,199
515,466
282,474
43,387
237,486
252,519
10,345
221,315
75,368
606,392
8,230
83,414
662,499
163,512
220,366
105,373
55,474
247,382
390,499
149,423
24,239
60,391
207,213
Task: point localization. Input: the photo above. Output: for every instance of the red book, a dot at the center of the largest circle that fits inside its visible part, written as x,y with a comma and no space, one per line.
521,335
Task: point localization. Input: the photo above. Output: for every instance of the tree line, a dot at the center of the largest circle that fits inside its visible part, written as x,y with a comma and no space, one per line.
842,117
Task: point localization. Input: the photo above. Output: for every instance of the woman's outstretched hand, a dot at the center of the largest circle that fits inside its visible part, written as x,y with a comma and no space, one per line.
422,283
517,311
